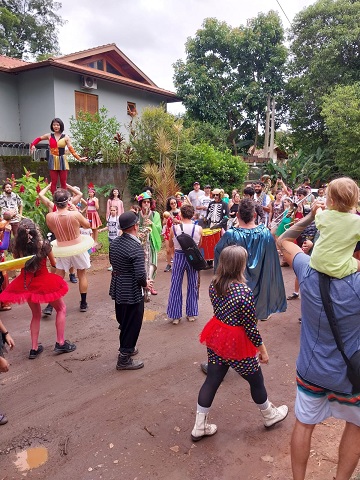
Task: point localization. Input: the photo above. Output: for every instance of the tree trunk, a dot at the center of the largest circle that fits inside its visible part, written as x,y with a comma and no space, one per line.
267,125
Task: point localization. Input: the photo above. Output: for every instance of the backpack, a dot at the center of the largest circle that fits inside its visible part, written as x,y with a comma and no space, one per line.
190,249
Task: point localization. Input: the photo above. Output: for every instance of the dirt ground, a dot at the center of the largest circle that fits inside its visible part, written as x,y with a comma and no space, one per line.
95,422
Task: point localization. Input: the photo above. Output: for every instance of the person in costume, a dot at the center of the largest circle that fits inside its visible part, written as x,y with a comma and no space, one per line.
263,270
114,201
36,285
70,248
217,213
92,207
180,265
128,281
172,219
150,221
233,340
5,339
74,201
59,143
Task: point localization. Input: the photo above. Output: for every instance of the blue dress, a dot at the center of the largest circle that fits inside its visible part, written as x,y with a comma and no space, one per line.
263,271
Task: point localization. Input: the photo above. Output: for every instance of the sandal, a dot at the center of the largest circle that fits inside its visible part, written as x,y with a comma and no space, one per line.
3,419
293,296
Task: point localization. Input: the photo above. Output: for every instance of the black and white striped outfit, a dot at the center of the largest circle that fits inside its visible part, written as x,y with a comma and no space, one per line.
128,278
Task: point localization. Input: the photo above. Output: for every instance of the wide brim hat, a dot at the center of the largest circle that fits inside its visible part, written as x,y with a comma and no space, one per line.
217,191
128,220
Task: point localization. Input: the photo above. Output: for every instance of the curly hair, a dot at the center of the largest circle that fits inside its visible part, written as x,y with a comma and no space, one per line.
187,211
111,195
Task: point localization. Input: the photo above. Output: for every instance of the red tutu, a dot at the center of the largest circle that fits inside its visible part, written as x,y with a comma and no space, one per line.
227,341
94,219
39,287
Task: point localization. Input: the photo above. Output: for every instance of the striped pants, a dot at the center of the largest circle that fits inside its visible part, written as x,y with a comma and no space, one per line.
174,309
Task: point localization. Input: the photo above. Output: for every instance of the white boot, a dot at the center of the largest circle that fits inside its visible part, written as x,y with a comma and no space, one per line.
274,414
202,428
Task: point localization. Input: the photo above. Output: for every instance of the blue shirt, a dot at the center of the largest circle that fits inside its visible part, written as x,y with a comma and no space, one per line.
319,360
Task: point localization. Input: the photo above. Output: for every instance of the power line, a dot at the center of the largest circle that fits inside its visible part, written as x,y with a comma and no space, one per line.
277,1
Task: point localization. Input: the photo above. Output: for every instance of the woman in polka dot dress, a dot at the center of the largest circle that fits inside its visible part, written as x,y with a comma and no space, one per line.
233,340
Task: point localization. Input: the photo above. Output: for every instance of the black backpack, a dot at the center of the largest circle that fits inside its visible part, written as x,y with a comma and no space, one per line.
190,249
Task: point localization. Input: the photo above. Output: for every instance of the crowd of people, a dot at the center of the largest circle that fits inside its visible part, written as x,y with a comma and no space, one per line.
246,238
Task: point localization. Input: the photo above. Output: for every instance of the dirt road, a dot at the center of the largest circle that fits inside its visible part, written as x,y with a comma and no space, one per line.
98,423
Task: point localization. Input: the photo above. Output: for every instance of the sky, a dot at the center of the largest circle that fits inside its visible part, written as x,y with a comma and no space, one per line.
153,33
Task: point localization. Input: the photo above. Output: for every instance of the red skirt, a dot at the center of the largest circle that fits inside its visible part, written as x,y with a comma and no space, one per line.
94,219
227,341
41,287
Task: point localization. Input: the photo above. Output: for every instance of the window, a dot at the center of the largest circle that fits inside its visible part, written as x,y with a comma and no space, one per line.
86,102
131,109
111,69
98,64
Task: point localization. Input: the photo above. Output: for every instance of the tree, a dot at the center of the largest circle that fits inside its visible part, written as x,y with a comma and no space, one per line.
341,112
325,43
218,169
229,71
29,28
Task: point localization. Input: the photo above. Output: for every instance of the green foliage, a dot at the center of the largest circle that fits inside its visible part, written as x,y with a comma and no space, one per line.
341,112
28,187
324,53
228,73
204,162
145,132
299,166
29,28
97,137
105,190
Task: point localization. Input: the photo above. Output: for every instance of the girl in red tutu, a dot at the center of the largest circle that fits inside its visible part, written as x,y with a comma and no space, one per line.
233,340
36,285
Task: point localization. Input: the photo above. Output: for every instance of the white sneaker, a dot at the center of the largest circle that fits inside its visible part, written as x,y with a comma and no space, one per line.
176,321
273,415
191,319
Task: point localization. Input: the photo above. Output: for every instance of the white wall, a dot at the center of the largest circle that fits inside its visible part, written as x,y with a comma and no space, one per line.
9,108
36,100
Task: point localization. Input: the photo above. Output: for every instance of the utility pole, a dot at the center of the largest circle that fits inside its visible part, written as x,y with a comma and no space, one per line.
272,133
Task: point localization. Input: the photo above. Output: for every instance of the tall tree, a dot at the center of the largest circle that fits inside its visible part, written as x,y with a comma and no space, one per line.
228,73
325,45
29,28
341,111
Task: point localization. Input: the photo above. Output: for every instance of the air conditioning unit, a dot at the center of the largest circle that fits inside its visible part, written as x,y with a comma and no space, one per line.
88,82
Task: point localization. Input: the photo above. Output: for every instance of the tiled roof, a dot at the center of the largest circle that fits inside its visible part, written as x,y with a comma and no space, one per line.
9,62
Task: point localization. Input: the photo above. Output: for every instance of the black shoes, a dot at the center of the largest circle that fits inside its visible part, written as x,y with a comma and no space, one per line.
35,353
167,268
67,347
48,310
125,362
73,278
83,306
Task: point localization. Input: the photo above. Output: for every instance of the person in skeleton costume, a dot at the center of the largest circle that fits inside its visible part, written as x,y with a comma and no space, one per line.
217,213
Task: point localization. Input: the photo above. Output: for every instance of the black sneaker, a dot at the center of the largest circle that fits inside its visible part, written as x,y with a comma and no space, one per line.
83,306
125,362
35,353
73,278
167,268
48,310
66,348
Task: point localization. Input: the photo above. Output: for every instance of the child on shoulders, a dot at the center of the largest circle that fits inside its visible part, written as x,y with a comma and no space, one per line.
339,229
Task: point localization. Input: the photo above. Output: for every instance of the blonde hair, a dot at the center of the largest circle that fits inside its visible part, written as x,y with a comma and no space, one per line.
343,193
230,269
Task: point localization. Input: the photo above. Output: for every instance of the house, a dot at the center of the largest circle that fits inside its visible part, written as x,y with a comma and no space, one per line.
33,93
257,155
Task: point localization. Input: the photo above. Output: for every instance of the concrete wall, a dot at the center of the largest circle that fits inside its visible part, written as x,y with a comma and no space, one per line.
9,110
